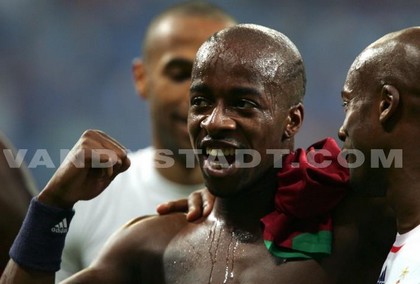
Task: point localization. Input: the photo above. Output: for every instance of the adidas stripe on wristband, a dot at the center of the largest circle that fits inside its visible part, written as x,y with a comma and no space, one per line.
40,241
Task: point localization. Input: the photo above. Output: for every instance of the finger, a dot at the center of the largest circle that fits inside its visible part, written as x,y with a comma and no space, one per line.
113,154
208,202
195,206
123,165
162,208
180,205
96,139
105,160
121,152
118,165
112,140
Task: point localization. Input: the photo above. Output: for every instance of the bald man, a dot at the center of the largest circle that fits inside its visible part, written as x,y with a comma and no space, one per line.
159,172
246,93
381,98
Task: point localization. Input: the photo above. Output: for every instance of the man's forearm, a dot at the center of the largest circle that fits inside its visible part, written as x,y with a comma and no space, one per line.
15,274
36,251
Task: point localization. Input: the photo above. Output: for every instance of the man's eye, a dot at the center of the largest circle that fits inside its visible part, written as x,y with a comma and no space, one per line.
345,105
179,74
246,104
199,102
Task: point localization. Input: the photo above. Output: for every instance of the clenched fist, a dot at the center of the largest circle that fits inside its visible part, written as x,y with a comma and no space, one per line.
88,169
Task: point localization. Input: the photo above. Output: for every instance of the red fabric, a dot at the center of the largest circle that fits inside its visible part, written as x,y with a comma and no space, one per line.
395,249
306,193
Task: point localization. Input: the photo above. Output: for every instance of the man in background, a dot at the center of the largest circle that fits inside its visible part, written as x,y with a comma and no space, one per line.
17,187
159,172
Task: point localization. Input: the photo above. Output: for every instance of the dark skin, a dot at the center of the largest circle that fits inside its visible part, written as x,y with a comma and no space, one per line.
17,189
163,79
232,106
383,84
381,100
71,183
227,245
240,111
364,231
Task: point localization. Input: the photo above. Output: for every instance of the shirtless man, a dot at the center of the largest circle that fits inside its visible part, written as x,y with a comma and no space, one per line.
381,102
247,89
246,93
162,78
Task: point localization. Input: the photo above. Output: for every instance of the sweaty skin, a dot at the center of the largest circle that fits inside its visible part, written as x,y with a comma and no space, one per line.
232,106
162,78
227,246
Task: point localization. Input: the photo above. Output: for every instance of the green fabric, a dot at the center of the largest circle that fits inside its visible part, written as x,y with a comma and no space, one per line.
306,245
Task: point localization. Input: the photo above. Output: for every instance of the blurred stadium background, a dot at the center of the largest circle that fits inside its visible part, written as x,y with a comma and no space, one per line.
65,65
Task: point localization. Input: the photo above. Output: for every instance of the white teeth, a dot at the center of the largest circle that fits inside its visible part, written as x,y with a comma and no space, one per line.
220,152
218,165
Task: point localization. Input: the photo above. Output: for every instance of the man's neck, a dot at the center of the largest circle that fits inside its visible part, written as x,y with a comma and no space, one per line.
403,194
244,211
407,217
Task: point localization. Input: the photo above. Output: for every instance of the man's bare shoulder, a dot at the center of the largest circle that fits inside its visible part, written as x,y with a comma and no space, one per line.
163,224
147,235
137,248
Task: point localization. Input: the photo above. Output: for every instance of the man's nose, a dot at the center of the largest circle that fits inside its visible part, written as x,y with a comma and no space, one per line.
218,120
341,133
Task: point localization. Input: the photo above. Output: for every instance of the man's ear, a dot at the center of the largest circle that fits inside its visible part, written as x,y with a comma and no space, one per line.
390,99
294,120
140,77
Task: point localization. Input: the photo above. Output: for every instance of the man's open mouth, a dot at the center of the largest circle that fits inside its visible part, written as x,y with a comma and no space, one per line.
220,158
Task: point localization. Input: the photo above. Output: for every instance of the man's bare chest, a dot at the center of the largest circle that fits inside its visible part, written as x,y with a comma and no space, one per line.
220,256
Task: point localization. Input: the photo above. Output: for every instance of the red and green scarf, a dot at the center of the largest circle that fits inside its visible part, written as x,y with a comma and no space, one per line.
310,185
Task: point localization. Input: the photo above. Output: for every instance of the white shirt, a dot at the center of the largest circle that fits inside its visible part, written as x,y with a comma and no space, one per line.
133,193
402,265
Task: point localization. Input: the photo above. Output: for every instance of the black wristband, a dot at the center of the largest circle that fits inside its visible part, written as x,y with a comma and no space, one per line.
40,241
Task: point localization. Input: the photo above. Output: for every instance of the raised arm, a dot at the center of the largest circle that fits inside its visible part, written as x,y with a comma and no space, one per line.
88,169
